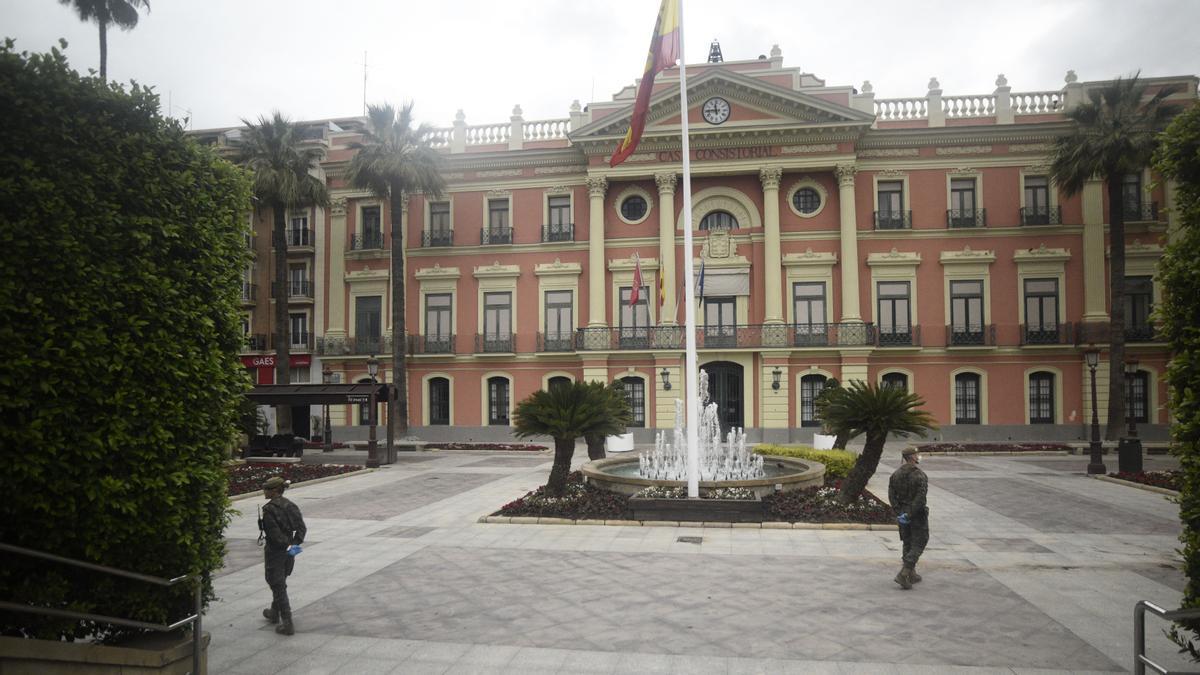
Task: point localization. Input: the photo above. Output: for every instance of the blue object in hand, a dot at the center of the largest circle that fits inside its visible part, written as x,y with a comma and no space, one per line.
294,550
903,519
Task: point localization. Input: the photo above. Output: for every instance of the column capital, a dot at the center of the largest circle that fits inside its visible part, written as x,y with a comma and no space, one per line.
845,174
770,177
337,206
597,185
666,182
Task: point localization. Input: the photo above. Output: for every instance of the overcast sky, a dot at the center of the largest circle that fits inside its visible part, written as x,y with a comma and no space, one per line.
221,60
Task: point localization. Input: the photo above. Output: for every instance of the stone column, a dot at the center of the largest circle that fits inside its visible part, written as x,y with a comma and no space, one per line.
666,245
336,308
772,261
1094,276
848,233
597,185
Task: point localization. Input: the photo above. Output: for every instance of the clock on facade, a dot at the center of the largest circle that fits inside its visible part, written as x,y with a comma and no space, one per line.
715,110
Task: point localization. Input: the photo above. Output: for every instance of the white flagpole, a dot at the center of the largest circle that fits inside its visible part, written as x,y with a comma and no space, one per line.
690,371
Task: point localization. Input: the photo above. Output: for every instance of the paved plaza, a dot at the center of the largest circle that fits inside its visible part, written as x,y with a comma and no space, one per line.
1032,567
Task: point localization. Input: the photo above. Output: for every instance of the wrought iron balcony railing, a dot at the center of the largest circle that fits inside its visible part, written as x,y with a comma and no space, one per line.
897,336
300,238
358,345
555,342
499,235
256,342
1143,333
893,220
1061,334
752,336
367,241
1041,215
966,218
1141,212
431,344
296,340
249,292
295,289
978,335
430,238
561,232
1098,333
495,344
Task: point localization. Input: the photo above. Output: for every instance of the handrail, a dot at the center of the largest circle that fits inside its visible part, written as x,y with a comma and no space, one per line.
194,619
1140,660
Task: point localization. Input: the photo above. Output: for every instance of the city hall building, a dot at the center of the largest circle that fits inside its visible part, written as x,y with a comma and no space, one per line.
915,242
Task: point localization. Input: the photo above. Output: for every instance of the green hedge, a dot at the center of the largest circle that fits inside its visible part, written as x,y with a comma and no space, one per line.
121,250
838,463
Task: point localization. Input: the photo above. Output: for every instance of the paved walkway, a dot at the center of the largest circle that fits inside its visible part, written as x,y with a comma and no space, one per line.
1032,567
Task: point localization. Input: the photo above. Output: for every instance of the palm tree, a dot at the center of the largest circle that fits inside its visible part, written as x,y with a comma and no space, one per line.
122,13
565,413
395,159
613,398
1116,133
878,412
282,177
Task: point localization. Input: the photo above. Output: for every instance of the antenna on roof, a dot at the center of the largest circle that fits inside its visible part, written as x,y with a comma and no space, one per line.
364,83
714,52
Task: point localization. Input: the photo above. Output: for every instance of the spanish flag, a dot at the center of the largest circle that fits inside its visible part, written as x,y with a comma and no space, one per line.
664,52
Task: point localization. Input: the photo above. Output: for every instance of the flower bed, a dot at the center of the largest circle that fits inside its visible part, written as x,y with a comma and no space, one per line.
934,448
580,502
663,492
1168,480
244,478
520,447
820,505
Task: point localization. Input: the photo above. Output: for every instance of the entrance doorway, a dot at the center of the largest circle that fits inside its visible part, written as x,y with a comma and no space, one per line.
300,421
725,389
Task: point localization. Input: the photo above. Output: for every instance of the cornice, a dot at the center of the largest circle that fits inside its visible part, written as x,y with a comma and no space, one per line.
1042,254
496,270
437,272
1026,134
558,268
894,257
809,258
967,256
628,264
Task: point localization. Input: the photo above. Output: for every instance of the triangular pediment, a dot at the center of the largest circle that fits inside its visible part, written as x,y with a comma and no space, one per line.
757,106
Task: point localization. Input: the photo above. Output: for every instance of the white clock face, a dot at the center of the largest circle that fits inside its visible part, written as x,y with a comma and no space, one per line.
715,110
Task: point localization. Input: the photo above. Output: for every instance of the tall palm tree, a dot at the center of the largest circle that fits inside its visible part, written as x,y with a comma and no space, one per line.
1116,133
281,170
878,412
122,13
392,160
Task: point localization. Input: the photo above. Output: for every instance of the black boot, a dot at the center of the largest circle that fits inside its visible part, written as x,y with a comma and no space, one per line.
904,578
285,627
271,615
914,577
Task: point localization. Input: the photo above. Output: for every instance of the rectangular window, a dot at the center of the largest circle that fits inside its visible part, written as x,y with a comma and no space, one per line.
371,222
559,323
298,232
498,401
1041,311
298,286
720,322
808,305
1041,398
368,324
497,322
1139,302
966,313
1131,193
962,203
298,375
298,324
1037,201
635,320
439,216
635,395
560,212
894,315
497,214
439,401
891,205
438,315
811,387
1137,390
966,398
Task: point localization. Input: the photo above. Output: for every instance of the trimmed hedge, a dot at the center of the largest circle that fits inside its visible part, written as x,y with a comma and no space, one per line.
121,250
838,463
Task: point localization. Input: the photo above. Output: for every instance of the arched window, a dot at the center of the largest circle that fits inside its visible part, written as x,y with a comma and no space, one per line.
1041,398
439,401
635,394
810,388
498,400
1137,396
895,380
558,381
718,220
966,398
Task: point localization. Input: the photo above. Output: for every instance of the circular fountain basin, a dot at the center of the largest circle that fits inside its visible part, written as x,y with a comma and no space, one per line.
620,475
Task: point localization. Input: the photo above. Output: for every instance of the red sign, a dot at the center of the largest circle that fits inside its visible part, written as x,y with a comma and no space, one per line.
268,361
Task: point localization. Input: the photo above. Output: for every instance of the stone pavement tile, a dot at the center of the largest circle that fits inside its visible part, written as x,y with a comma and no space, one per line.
534,658
240,554
319,664
439,652
592,662
647,664
391,649
368,666
487,656
385,501
699,665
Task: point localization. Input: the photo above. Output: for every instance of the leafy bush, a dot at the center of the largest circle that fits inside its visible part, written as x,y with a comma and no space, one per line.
1169,480
121,250
821,505
664,492
935,448
244,478
838,463
579,501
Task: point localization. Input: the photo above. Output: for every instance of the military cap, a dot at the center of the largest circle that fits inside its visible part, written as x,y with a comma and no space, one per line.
274,483
909,451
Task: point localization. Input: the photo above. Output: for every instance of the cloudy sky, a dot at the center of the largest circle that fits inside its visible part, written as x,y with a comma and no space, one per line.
216,61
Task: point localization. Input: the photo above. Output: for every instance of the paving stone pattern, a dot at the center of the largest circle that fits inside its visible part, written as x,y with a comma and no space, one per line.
1016,545
511,462
404,495
404,532
240,554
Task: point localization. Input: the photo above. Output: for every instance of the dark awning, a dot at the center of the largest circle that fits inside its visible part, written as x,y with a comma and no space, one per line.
317,394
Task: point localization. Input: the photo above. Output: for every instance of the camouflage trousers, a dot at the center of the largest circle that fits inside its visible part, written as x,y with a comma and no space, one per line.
279,565
914,535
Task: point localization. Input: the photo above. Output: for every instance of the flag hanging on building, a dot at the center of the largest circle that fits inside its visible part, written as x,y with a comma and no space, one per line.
664,51
636,293
700,286
662,290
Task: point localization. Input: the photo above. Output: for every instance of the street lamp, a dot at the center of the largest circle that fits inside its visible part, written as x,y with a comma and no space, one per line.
775,374
1096,465
1129,451
327,378
372,450
666,379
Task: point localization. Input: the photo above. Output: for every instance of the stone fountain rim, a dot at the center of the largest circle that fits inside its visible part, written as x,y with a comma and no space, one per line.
808,471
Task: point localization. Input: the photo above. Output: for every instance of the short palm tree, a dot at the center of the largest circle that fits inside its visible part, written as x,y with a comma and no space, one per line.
1116,132
122,13
393,159
842,436
613,398
877,412
280,169
564,413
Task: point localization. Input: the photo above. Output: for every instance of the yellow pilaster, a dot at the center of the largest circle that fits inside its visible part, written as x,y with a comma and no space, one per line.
774,402
665,399
773,311
848,231
1093,251
597,185
666,244
336,308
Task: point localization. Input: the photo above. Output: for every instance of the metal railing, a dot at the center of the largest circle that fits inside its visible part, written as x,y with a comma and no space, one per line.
966,218
193,619
555,342
249,292
256,342
437,238
743,336
1041,215
562,232
499,235
1140,660
971,336
893,220
495,344
1141,212
367,241
295,289
1062,334
898,337
300,238
1096,332
296,340
358,345
431,344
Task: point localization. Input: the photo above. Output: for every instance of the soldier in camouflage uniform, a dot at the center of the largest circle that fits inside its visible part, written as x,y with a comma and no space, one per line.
906,492
281,527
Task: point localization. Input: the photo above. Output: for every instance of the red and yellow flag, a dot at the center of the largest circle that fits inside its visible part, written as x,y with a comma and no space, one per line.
664,51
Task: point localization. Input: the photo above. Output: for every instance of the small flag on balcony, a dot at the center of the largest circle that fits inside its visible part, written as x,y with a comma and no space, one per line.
662,290
700,286
664,51
636,293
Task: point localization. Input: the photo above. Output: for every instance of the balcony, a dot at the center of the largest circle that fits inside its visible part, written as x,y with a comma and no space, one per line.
956,218
1047,335
357,345
495,344
893,220
303,341
558,233
256,342
431,238
897,336
300,238
249,293
754,336
367,241
1098,333
431,344
1041,215
297,290
499,235
971,336
1140,212
555,342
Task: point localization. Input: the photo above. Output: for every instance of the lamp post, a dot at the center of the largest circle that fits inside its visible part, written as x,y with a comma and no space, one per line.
775,375
666,379
1129,451
327,433
372,450
1096,465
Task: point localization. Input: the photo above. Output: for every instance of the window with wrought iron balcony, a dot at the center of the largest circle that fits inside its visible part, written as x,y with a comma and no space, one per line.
966,218
893,220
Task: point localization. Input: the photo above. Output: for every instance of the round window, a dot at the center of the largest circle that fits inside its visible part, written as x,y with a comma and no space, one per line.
633,208
806,200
